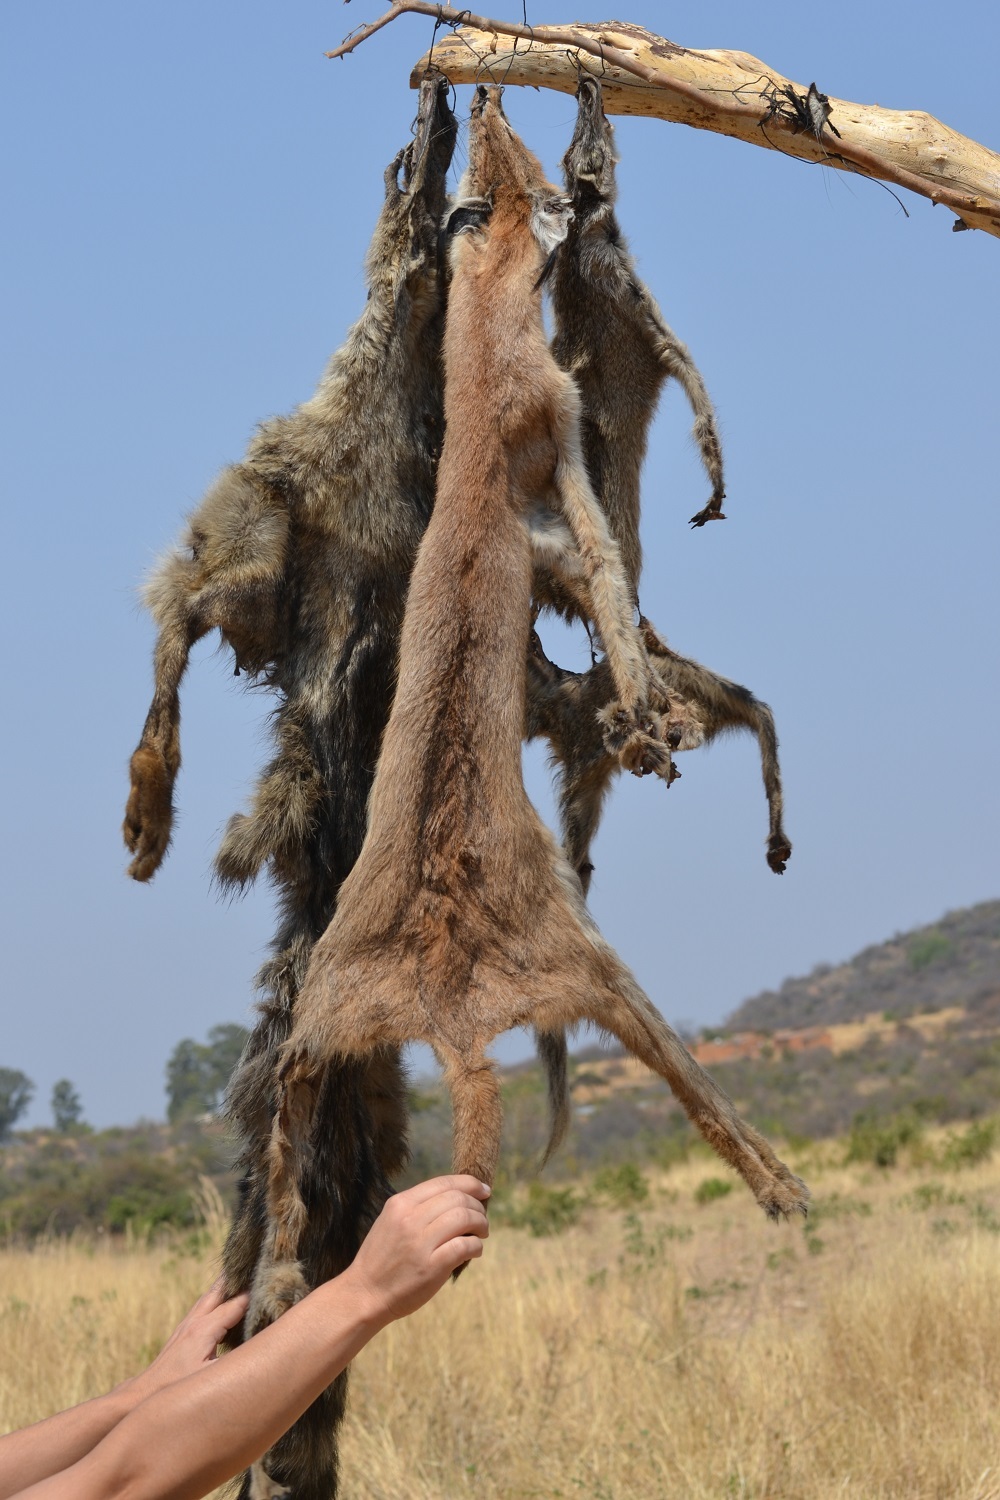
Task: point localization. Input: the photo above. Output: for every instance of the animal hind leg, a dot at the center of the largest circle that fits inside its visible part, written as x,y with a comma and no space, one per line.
477,1111
621,1007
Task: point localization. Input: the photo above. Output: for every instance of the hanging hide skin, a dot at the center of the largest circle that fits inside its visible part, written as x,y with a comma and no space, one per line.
462,918
611,336
301,556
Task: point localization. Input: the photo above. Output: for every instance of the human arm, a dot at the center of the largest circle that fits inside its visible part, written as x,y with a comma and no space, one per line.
200,1431
48,1447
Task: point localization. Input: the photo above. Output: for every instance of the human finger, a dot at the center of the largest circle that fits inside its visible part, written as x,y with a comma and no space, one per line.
206,1303
460,1220
422,1191
458,1210
213,1298
431,1208
228,1314
458,1252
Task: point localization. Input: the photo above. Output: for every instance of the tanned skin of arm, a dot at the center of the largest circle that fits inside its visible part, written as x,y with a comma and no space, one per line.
201,1430
56,1443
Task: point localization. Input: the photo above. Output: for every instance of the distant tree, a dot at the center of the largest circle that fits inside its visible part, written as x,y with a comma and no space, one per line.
197,1072
224,1050
189,1091
67,1109
16,1090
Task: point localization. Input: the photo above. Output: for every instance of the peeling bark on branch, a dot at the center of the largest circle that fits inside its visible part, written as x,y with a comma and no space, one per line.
728,92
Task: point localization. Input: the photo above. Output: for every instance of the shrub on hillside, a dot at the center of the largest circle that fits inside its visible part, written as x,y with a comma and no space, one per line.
972,1145
545,1211
879,1140
711,1189
624,1185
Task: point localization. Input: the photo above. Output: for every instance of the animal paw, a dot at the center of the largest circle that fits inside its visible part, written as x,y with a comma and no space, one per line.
712,512
242,852
779,852
683,729
786,1197
276,1288
149,812
636,739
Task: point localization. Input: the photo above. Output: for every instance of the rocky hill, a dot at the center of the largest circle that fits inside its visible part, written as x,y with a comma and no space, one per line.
954,962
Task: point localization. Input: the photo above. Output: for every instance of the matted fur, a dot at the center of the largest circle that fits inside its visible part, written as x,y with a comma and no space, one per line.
462,918
301,556
611,335
564,707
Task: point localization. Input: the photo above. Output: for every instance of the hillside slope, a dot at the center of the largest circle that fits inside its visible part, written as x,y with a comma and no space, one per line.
954,962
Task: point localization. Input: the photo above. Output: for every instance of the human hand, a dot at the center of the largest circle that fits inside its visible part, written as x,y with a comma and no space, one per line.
195,1340
420,1237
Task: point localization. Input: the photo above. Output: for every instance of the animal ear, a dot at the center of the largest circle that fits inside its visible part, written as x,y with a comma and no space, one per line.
550,221
472,214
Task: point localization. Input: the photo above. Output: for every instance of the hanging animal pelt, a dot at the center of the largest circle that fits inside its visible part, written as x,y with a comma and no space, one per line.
462,918
612,337
563,707
301,555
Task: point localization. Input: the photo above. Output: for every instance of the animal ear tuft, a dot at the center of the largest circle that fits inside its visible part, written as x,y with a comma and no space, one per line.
550,221
472,214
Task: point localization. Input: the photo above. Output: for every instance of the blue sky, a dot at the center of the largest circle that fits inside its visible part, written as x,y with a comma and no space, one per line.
189,194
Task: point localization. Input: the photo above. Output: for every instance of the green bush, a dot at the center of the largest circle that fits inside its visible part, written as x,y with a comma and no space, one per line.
879,1141
929,948
712,1188
625,1185
113,1180
144,1209
932,1195
546,1211
972,1145
642,1249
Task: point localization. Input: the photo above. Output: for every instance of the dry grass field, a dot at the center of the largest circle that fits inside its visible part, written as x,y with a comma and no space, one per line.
676,1345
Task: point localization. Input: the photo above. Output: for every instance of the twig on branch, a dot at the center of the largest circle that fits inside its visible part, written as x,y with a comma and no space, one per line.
729,92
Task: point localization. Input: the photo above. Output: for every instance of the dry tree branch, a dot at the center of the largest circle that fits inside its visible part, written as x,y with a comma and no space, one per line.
731,93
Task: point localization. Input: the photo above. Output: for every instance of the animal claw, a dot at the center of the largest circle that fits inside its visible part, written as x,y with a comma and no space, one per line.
710,513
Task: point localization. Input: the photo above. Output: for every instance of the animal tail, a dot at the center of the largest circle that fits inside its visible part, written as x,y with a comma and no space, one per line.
554,1056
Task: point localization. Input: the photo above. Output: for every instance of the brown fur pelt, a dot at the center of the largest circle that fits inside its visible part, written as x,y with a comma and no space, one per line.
461,918
301,555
